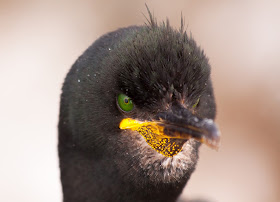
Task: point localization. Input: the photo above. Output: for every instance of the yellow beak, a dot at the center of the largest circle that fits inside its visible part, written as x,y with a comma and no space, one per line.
166,138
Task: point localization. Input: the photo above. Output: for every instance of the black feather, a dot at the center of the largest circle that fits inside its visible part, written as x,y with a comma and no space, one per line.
155,65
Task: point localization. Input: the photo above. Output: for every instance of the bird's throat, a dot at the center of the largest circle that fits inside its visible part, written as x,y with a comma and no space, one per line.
166,146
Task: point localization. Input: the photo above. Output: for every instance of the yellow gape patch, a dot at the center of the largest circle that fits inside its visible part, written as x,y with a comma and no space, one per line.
154,136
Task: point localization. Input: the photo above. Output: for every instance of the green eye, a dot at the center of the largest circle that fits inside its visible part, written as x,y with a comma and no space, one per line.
125,103
196,103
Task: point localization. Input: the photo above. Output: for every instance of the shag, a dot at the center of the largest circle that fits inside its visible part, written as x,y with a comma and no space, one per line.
135,108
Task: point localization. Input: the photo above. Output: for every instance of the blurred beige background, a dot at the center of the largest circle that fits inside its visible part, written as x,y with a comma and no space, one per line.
39,41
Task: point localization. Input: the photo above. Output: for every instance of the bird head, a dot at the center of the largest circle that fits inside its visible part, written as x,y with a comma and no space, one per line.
162,80
147,99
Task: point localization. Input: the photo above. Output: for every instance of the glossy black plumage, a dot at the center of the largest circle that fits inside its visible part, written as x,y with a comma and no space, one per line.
158,67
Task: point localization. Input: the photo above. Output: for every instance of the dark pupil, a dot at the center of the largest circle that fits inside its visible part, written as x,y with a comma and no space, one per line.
126,101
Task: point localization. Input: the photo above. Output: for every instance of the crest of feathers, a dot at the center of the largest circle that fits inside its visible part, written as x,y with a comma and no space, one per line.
161,62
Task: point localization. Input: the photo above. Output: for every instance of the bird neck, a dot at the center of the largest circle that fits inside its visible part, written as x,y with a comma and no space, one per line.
91,177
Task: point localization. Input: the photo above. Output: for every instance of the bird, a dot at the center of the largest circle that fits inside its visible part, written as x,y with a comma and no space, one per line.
135,108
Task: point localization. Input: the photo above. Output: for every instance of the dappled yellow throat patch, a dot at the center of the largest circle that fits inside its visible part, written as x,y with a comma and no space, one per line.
154,136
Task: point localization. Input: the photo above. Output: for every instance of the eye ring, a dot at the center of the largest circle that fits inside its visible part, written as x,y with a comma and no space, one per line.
125,103
196,103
